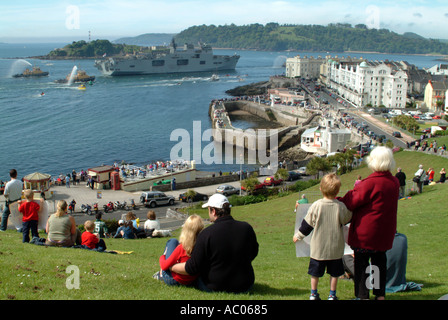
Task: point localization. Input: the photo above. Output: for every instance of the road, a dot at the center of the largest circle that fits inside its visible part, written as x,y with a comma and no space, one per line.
374,122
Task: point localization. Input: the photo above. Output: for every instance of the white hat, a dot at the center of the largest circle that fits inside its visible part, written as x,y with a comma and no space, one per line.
216,201
120,222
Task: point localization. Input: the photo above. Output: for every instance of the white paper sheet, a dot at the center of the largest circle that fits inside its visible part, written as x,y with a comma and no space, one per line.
15,218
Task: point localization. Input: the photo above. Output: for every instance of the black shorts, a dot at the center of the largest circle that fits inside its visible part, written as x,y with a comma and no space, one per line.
335,268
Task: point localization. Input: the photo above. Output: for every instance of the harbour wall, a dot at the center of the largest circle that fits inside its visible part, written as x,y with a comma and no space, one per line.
250,139
291,122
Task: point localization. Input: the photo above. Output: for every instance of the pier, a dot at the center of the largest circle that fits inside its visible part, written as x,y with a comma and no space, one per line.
290,124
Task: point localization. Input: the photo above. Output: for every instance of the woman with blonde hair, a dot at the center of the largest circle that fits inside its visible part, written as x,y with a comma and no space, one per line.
180,251
61,228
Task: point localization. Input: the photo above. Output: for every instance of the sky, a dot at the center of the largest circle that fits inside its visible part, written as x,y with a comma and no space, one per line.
26,20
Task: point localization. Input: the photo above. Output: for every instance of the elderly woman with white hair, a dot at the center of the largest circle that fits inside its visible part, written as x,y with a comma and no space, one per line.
374,203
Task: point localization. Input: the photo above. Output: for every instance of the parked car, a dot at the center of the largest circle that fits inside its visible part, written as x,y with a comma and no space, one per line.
396,134
197,197
227,190
381,137
156,198
257,186
292,175
437,117
271,181
302,170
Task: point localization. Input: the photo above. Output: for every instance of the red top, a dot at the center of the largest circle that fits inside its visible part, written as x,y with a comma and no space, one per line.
89,239
374,204
30,211
178,256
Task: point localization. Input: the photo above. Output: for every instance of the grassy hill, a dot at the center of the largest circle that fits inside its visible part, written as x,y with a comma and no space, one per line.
31,272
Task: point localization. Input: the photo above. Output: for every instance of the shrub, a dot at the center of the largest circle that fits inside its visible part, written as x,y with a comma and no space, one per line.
302,185
243,200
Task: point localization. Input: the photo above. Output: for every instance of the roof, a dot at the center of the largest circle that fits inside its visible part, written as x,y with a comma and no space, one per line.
37,176
102,169
309,131
439,85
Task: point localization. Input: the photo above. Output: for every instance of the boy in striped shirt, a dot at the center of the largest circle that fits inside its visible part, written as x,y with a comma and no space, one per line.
325,218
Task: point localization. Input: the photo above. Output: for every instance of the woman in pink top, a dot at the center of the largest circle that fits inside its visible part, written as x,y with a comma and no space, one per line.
180,251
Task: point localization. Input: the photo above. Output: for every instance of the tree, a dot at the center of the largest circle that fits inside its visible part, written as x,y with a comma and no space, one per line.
343,161
406,122
189,195
318,164
281,174
250,182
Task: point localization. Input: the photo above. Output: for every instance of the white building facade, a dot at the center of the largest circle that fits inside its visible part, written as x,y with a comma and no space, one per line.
303,67
439,69
325,138
369,83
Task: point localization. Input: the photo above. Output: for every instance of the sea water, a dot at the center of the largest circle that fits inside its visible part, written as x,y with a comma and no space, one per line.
54,128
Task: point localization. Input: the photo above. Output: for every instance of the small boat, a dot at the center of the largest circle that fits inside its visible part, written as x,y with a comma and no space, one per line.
82,87
214,77
35,72
80,77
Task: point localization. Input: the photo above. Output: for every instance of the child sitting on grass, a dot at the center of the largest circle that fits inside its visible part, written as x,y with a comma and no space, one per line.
180,251
30,219
326,217
92,240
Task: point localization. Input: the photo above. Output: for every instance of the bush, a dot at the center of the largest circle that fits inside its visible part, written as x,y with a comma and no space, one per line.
249,199
302,185
441,133
111,224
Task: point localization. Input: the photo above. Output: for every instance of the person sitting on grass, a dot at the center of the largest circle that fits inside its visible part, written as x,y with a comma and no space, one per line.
180,251
127,231
90,239
151,224
100,226
61,228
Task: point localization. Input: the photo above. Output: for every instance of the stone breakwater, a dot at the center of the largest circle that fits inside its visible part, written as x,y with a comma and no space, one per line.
286,127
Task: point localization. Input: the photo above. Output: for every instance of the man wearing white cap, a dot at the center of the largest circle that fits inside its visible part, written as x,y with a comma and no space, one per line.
223,252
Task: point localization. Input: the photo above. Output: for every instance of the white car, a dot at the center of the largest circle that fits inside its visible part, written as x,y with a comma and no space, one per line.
301,170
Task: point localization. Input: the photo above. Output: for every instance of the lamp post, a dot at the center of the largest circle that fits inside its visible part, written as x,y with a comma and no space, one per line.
241,171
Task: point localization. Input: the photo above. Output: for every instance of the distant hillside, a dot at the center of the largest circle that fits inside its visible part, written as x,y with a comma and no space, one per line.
147,39
334,37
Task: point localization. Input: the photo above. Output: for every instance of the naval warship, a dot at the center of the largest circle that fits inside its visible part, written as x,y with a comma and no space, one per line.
168,60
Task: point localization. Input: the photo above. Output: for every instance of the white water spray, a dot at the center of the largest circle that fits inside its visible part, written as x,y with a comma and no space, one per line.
72,75
18,66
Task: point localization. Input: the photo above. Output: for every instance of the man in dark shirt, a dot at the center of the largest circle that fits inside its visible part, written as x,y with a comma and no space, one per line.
401,176
224,251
